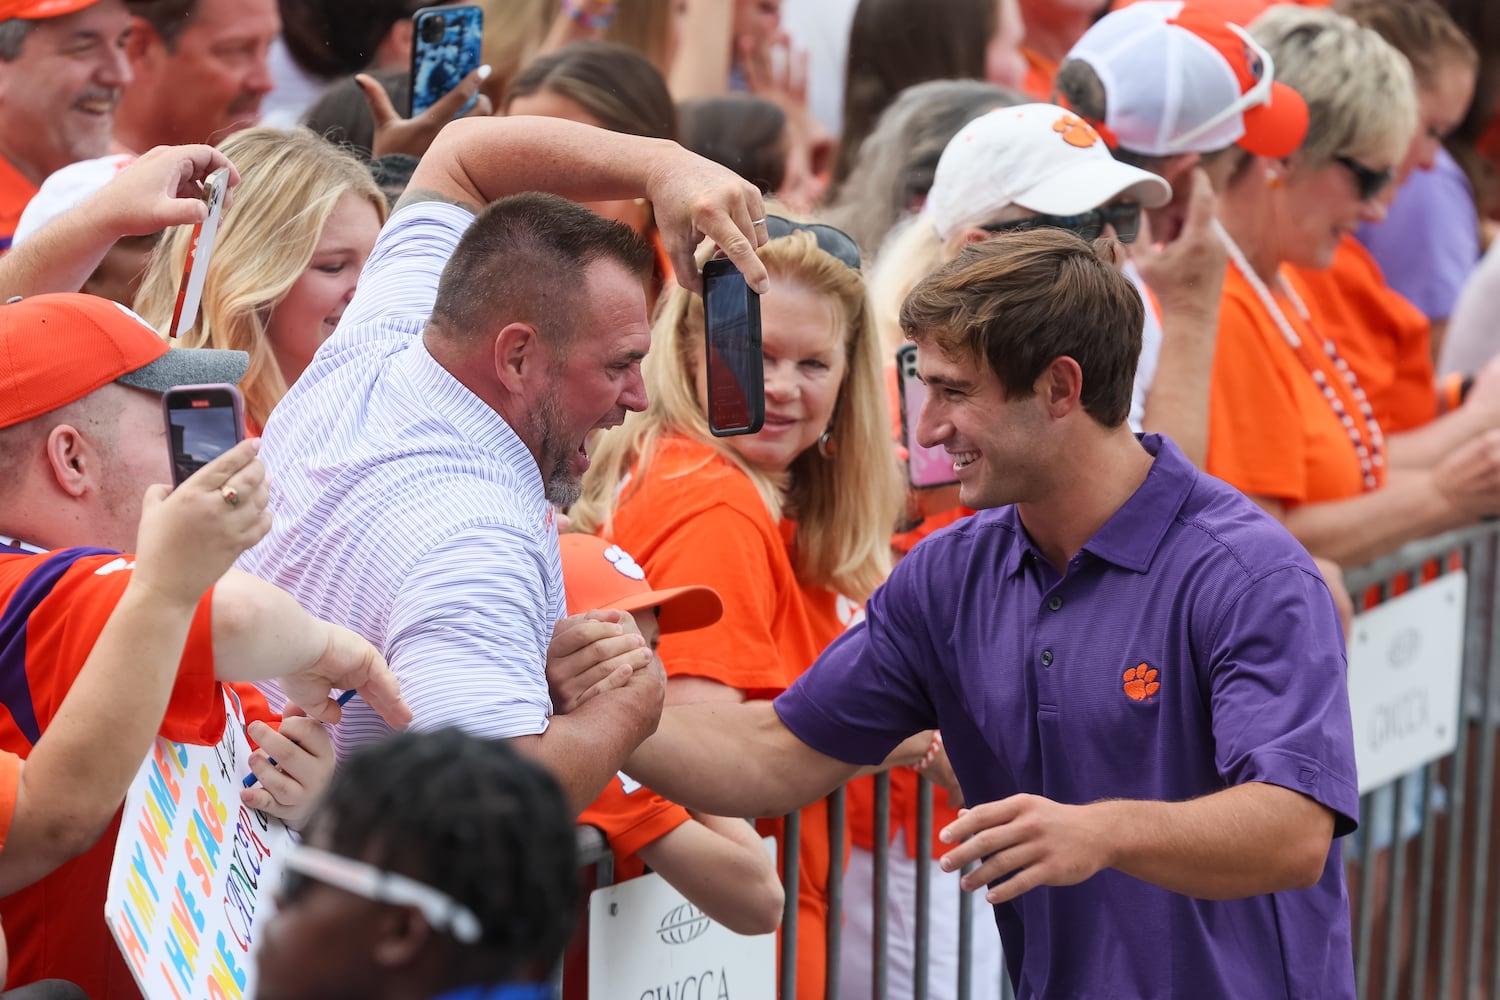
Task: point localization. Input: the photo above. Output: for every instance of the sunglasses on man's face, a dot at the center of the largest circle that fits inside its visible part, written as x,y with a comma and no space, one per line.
1369,183
306,864
1124,217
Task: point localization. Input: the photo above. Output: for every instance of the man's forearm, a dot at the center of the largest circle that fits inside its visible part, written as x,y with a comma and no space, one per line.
59,258
260,632
479,160
584,749
1244,841
1177,401
734,759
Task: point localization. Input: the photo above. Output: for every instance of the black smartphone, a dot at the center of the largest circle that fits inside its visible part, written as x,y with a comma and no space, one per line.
446,46
925,467
736,369
203,422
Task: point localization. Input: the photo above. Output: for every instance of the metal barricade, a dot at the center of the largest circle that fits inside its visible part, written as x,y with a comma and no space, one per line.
1422,868
1424,907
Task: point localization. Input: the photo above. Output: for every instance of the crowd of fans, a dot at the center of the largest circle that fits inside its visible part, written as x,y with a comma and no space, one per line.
1200,297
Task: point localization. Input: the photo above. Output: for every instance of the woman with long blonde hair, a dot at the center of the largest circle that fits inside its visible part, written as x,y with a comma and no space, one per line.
290,248
791,525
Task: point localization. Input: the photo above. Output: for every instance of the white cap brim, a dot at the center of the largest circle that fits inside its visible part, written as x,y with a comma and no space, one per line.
1091,184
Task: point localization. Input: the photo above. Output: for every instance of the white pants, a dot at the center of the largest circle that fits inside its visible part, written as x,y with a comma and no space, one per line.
855,966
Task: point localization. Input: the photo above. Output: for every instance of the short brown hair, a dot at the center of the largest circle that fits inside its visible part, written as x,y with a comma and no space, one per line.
1023,299
522,259
1421,30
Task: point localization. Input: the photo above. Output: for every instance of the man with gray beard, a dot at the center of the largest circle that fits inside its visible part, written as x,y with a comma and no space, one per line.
417,462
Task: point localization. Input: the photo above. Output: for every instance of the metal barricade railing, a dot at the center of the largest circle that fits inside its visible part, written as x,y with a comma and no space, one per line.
1423,919
1422,868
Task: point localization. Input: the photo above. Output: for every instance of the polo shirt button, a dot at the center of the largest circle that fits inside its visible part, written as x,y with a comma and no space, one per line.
1046,657
1054,602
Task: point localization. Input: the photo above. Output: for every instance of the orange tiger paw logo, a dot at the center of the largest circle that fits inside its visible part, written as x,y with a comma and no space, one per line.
1075,131
1140,682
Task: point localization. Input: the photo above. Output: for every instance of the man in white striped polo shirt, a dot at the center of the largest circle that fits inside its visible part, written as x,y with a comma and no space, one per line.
416,463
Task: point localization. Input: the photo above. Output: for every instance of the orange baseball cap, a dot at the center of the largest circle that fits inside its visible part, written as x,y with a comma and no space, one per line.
37,10
55,349
1183,78
600,574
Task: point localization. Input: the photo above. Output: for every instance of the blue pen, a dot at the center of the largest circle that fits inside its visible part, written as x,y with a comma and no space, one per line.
343,699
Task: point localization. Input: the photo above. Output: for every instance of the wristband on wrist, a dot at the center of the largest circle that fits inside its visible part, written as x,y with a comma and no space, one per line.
577,10
933,749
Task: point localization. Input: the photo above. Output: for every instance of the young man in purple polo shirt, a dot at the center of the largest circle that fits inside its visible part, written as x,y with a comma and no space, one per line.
1138,674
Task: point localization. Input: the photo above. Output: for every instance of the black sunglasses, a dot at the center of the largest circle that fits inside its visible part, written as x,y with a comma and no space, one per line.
1125,217
834,242
1367,182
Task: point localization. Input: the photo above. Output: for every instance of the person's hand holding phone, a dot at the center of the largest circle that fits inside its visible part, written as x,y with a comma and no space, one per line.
412,136
162,187
695,199
190,536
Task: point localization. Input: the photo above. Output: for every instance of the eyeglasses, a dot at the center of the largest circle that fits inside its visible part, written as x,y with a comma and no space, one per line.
1264,71
1369,183
1125,217
441,911
834,242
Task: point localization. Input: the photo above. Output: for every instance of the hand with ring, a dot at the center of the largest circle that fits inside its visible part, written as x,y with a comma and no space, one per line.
190,536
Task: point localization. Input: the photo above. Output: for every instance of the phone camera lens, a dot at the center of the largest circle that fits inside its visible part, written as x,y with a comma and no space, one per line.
434,28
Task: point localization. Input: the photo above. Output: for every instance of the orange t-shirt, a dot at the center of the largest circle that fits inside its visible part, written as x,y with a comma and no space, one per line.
55,606
1271,431
1385,339
15,192
691,518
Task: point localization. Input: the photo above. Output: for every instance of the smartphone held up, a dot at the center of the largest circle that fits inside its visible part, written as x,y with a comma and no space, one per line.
446,46
195,267
203,422
732,348
925,467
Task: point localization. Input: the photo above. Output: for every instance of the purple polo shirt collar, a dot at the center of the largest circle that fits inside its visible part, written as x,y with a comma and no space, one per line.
1134,533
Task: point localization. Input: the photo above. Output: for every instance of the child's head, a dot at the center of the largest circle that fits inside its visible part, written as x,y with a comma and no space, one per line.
599,574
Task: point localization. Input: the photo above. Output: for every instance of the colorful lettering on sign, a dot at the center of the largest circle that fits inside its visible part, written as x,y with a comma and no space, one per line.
206,836
140,888
244,879
226,980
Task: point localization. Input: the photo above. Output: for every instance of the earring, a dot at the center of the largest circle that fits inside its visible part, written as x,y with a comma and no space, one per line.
1274,178
825,443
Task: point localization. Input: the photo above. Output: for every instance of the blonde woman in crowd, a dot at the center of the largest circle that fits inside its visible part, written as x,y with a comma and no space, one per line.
1292,422
290,248
790,525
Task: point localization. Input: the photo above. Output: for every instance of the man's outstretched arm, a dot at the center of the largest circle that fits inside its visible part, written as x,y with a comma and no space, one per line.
475,161
734,760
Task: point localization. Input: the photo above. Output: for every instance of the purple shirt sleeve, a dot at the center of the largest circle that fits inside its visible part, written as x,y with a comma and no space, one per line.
865,694
1278,690
1429,241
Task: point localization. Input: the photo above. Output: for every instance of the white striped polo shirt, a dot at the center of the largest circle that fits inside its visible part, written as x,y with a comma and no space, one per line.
405,508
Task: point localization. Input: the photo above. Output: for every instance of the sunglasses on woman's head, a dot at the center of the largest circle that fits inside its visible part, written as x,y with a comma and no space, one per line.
834,242
1369,183
1125,217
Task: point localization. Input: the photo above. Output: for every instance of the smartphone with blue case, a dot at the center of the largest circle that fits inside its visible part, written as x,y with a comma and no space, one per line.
446,46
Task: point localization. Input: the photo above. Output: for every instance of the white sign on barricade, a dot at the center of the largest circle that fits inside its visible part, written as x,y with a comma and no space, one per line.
646,942
1405,668
193,870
